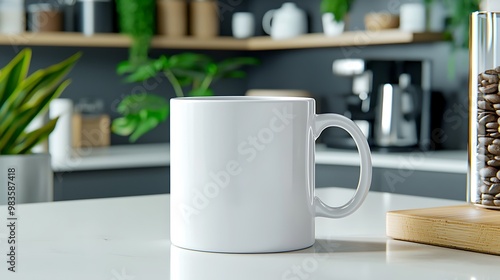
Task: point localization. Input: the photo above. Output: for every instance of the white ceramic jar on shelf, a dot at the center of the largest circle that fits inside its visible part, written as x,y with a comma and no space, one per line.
12,17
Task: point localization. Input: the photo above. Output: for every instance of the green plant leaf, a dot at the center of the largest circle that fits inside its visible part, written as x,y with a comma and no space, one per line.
17,71
231,64
141,113
339,8
143,72
25,114
34,88
31,139
125,126
201,92
124,67
189,60
13,73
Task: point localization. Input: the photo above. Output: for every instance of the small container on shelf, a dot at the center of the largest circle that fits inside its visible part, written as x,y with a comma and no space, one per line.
204,18
94,16
172,17
91,127
44,18
12,17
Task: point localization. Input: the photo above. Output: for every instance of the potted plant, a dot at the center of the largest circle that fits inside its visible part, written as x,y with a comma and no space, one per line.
136,20
190,74
25,176
333,15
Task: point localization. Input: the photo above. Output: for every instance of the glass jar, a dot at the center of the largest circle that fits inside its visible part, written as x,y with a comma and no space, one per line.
484,110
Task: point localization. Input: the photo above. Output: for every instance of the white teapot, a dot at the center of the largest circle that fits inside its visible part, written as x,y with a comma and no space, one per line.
287,22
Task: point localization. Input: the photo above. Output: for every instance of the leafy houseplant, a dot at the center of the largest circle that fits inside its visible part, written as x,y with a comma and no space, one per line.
24,97
143,112
136,20
458,27
339,8
333,15
196,72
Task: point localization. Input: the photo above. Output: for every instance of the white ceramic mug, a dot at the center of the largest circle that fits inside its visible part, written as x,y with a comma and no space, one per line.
243,25
242,173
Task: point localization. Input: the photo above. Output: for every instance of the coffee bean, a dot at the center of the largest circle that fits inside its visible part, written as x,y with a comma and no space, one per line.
494,189
480,115
491,130
497,157
498,175
489,89
493,125
485,141
481,130
495,180
493,98
494,149
494,163
496,202
483,83
496,106
488,172
496,142
484,105
486,196
497,196
491,77
490,72
484,189
487,118
495,135
487,202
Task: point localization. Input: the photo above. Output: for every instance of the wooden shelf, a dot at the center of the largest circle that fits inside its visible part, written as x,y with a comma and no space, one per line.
352,38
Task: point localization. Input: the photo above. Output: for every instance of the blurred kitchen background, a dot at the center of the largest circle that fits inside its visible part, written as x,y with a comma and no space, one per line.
435,70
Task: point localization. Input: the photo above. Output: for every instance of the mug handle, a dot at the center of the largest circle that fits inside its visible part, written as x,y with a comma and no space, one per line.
324,121
266,21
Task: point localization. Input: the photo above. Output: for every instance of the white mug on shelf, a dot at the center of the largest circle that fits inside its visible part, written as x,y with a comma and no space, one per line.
243,25
412,17
242,173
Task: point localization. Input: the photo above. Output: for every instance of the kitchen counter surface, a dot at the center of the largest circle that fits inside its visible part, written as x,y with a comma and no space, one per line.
128,238
153,155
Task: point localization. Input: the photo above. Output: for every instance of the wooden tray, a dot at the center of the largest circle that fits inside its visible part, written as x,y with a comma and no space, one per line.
462,227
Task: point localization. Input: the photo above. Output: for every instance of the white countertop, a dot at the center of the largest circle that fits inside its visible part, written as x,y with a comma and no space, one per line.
128,238
155,155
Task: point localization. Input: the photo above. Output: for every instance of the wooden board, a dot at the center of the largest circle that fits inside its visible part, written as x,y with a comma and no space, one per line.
462,227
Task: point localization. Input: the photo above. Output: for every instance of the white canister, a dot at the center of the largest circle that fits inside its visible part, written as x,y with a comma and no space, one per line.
60,142
412,17
243,25
12,17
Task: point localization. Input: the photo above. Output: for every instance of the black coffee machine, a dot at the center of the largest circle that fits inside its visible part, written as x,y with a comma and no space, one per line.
390,101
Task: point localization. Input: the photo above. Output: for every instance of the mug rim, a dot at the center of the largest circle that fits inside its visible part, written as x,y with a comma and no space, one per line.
242,98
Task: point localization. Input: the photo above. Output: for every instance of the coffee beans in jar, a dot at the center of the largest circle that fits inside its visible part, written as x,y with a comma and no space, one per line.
488,139
484,110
